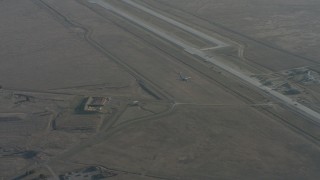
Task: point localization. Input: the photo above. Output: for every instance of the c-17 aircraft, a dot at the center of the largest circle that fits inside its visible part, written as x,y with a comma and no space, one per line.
183,77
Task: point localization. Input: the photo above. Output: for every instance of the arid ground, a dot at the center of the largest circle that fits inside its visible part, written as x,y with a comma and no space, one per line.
196,89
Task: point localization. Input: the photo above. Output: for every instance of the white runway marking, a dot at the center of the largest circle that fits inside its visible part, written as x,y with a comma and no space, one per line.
252,81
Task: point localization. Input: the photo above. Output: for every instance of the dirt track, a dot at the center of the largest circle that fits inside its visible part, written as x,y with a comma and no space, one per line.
286,100
212,127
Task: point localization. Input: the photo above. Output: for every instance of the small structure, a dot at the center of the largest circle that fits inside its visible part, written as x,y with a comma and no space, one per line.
95,104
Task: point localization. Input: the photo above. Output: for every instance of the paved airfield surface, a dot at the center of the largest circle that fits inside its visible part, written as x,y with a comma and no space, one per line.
55,53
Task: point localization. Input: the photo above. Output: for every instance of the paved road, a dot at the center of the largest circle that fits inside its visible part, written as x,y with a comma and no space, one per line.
315,116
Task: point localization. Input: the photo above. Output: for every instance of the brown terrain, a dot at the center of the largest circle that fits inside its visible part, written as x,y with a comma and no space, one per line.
148,120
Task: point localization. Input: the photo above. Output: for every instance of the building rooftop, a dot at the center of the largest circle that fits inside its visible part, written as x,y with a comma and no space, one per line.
95,104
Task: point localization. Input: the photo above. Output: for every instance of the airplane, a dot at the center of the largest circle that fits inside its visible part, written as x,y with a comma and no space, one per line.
183,77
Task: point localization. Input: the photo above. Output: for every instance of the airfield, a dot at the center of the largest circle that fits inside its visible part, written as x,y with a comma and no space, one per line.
150,89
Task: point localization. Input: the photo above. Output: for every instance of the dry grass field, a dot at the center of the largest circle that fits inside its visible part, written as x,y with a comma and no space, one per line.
157,124
290,25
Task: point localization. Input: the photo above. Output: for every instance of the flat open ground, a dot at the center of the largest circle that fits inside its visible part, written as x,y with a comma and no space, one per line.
217,125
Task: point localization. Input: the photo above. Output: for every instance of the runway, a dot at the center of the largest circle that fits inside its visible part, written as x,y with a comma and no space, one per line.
292,104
